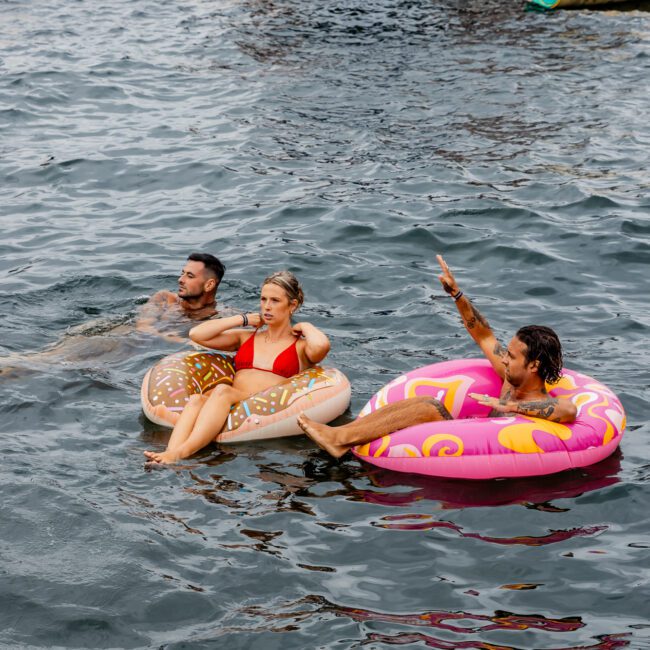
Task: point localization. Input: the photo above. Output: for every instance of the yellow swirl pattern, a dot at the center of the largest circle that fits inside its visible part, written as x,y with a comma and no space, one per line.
582,399
446,450
382,395
364,450
609,428
453,399
566,383
519,437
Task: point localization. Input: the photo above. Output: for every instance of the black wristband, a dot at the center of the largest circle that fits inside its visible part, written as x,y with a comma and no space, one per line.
458,296
245,320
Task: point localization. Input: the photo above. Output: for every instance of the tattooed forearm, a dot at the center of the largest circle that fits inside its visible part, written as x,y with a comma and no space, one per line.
544,409
475,318
504,399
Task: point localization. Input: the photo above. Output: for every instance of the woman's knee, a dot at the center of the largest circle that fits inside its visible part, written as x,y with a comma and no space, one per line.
222,392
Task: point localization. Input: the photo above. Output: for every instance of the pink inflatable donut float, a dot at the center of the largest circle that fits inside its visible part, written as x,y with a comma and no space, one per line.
322,393
475,446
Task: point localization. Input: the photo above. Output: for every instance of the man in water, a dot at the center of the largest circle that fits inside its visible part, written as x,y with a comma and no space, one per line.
167,315
532,358
195,299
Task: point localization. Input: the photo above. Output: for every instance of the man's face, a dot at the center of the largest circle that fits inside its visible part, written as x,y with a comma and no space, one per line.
193,282
514,360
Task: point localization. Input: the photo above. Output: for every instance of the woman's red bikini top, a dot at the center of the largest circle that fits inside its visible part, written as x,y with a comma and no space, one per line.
286,364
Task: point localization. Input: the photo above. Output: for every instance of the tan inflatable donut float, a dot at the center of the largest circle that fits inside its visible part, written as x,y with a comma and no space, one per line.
323,393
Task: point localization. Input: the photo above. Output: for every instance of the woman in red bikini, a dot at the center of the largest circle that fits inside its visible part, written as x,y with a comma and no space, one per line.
275,350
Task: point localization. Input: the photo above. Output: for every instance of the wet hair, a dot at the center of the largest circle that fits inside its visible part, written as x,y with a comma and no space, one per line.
212,264
289,282
543,345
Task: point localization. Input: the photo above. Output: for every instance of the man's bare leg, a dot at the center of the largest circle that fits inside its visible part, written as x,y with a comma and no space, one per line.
407,413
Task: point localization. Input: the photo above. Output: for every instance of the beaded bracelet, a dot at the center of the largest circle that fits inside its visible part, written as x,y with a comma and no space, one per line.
458,296
245,320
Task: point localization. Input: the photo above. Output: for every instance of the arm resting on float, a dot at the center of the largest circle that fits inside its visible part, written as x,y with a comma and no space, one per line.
549,408
219,334
317,345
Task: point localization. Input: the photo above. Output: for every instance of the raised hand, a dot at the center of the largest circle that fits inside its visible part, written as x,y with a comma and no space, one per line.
446,277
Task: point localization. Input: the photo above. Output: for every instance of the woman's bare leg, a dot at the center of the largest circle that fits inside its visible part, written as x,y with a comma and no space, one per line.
207,425
184,426
388,419
186,422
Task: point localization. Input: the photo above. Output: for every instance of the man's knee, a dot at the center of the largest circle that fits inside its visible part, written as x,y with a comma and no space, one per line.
433,408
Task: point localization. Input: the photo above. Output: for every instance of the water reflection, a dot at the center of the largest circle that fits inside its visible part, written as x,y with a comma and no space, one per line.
534,493
292,614
552,537
295,483
606,642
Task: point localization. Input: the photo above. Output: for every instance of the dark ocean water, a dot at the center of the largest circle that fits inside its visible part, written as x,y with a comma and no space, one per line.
350,142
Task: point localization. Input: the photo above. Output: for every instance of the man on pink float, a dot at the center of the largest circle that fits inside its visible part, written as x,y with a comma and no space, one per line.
532,358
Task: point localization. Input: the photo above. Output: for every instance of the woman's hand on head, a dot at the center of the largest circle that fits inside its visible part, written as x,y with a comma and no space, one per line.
299,328
317,345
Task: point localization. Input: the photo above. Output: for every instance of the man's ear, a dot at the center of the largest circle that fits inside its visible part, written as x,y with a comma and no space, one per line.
210,285
534,365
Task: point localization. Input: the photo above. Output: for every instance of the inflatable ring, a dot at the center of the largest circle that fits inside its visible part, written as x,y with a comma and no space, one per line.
322,393
475,446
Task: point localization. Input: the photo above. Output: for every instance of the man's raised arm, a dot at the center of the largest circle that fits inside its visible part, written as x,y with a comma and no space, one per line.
478,328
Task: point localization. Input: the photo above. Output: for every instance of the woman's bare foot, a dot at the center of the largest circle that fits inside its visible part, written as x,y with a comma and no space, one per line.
164,458
321,434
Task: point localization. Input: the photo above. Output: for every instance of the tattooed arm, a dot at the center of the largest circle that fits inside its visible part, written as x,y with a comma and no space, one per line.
547,408
479,329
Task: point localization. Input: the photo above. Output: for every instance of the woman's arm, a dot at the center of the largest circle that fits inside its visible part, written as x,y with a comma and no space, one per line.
317,345
219,333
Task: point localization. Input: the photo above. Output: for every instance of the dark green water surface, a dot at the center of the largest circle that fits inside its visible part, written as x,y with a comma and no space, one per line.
348,141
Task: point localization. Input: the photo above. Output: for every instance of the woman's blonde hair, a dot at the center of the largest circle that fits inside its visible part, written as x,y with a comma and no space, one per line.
289,282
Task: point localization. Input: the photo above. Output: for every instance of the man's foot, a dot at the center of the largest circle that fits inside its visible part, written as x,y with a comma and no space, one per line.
321,434
162,458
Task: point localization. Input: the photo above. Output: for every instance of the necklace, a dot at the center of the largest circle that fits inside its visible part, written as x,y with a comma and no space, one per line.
268,339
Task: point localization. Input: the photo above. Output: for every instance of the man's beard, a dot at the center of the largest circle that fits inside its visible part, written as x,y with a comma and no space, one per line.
188,296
